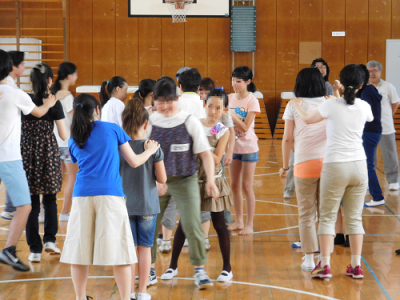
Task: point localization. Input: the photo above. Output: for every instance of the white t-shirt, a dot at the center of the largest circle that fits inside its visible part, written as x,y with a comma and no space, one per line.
67,104
112,111
11,82
389,97
193,126
191,103
309,140
12,102
344,129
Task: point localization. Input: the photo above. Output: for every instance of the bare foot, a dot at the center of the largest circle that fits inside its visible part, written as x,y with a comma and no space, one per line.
236,226
247,230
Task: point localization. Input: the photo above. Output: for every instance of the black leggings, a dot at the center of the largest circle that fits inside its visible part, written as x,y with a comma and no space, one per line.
223,238
50,222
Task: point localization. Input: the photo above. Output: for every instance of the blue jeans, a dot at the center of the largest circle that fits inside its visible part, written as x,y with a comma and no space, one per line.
143,229
247,157
370,143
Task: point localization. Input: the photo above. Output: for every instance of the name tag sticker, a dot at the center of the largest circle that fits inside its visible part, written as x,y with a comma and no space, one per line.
180,147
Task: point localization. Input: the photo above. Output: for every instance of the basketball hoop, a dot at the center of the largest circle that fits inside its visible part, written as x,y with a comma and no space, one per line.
178,9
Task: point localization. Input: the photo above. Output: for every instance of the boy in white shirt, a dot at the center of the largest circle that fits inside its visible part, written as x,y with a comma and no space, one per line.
17,71
12,173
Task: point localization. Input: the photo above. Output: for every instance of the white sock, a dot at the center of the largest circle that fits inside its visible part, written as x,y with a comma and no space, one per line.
142,294
166,242
133,295
355,260
325,260
206,240
309,258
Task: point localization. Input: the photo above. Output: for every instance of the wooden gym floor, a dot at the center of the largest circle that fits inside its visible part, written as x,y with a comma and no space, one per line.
264,265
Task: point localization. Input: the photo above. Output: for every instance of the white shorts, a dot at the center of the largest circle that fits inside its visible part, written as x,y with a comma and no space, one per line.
99,233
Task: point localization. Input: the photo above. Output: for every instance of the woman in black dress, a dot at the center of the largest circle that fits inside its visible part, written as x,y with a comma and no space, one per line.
41,159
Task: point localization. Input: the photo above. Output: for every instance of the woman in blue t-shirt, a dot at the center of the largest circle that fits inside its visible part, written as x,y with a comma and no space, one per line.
98,231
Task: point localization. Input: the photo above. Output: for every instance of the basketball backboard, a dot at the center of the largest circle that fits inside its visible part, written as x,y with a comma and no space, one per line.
199,8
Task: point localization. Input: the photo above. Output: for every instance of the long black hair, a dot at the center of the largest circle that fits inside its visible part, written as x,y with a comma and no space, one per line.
108,87
145,87
351,78
320,60
65,69
165,88
310,84
82,126
366,79
39,75
6,64
246,74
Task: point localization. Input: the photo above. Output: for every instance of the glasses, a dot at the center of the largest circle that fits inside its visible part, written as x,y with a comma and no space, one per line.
374,71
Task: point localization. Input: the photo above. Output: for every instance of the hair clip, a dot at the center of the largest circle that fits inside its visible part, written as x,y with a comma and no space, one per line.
40,67
350,87
108,82
80,104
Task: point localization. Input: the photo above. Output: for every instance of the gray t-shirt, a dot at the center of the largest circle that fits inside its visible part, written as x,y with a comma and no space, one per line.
139,183
329,88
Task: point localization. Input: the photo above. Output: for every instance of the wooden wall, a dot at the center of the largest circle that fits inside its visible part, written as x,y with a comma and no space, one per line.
104,42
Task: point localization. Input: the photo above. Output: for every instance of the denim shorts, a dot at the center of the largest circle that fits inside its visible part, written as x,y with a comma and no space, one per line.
13,175
248,157
65,156
143,229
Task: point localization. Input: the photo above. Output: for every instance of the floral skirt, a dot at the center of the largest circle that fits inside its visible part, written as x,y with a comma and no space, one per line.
41,157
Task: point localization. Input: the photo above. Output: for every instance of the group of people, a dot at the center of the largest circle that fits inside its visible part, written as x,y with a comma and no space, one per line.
333,135
126,163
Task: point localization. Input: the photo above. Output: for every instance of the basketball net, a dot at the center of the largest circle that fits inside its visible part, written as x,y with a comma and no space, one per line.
178,10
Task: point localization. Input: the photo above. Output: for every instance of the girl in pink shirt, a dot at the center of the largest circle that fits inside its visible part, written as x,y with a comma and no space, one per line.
244,108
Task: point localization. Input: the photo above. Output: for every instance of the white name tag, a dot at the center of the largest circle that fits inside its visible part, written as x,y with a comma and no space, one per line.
180,147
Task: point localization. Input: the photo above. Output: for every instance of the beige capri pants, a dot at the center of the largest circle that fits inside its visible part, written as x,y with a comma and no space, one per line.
99,233
347,180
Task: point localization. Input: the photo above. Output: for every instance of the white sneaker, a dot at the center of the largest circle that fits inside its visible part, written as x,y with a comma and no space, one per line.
41,214
35,257
64,217
186,243
169,274
225,276
165,247
143,296
207,243
8,215
373,203
51,248
286,196
307,266
394,186
202,280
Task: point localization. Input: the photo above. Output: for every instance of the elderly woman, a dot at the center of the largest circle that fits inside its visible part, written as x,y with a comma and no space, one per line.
323,67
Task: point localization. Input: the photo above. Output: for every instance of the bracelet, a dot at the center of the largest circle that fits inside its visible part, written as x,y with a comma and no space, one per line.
285,169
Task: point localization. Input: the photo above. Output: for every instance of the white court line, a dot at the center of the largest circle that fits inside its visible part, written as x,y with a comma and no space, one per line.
277,203
183,278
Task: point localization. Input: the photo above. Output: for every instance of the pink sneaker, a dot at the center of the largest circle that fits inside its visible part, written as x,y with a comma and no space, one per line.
356,272
320,272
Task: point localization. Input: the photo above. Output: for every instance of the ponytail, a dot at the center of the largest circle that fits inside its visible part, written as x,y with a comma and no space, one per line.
351,77
63,71
134,116
107,88
136,95
39,76
145,88
245,73
82,121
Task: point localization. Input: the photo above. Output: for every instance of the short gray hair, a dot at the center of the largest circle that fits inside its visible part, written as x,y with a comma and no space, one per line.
374,63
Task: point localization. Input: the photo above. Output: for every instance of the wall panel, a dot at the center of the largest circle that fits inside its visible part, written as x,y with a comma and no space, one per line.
149,48
333,46
395,20
219,59
103,40
173,47
356,51
287,45
126,44
380,28
80,30
196,32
